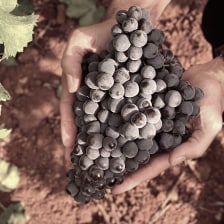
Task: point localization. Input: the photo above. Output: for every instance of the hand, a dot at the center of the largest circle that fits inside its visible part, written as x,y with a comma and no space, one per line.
82,40
210,78
92,38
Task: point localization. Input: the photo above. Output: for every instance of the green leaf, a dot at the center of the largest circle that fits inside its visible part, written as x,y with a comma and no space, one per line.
8,5
11,61
14,214
9,176
4,95
84,10
4,133
15,31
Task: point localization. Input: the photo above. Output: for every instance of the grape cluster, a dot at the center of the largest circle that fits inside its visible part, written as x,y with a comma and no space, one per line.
132,104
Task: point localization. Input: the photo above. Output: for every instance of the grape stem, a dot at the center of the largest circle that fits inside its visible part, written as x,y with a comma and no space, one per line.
2,206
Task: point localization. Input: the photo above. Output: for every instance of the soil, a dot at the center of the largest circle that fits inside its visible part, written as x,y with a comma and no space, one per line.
191,193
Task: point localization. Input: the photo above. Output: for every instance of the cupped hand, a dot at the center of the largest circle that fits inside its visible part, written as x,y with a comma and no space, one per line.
92,38
210,78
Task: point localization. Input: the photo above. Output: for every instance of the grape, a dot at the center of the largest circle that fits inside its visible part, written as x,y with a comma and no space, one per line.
152,114
161,85
81,138
148,131
155,148
93,66
177,140
117,165
114,120
116,29
121,16
142,156
115,105
103,115
89,118
83,93
121,75
167,125
90,107
95,140
171,80
196,109
120,56
90,80
168,56
135,12
161,74
103,163
138,119
72,188
132,100
157,62
107,66
128,110
97,95
173,98
129,24
198,94
130,149
150,51
82,199
93,127
145,25
78,150
117,91
109,143
116,153
138,38
104,81
143,103
144,144
131,89
158,126
133,66
130,131
134,53
85,162
104,153
176,68
121,141
98,195
92,153
131,165
148,72
121,42
148,86
179,127
96,173
166,141
168,112
78,108
145,13
136,78
188,93
158,101
186,107
156,36
87,190
112,132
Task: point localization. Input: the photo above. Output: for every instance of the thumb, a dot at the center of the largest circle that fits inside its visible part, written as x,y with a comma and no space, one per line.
198,143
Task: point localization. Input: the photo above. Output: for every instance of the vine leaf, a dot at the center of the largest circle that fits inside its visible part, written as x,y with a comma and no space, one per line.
4,95
14,214
15,31
85,10
9,176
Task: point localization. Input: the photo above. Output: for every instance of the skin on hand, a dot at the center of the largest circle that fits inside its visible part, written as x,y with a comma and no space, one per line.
210,78
82,40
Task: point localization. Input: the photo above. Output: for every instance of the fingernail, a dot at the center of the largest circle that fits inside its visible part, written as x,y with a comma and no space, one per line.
178,160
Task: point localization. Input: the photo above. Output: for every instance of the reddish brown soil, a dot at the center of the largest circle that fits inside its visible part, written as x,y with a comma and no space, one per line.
192,193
